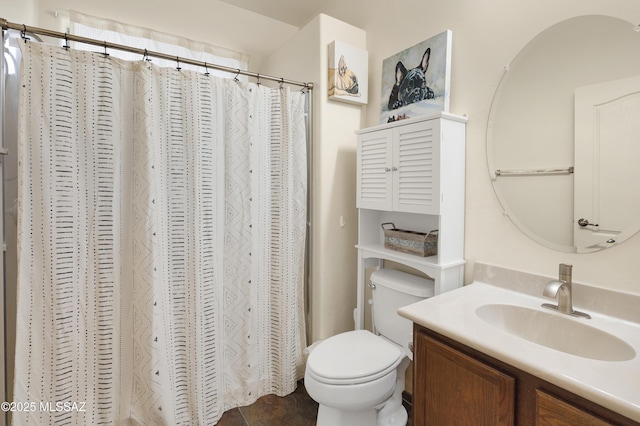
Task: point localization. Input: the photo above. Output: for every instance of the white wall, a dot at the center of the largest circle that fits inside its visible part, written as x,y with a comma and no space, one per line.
19,11
487,35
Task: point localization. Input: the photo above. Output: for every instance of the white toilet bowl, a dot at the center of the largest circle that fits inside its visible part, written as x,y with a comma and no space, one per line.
356,376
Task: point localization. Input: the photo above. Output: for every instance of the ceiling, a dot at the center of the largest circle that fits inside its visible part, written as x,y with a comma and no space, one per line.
293,12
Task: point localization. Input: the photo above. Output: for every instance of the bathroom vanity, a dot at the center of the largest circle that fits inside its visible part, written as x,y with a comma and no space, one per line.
489,354
453,378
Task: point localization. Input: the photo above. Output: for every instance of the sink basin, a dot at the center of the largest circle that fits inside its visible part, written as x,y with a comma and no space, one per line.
555,331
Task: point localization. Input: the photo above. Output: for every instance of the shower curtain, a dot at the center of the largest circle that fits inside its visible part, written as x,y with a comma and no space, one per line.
161,241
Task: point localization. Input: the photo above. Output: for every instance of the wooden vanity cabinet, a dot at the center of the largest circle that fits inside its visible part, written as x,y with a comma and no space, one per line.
552,411
457,385
454,388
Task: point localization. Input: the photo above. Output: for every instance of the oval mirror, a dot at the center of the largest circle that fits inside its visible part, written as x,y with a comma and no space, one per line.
563,136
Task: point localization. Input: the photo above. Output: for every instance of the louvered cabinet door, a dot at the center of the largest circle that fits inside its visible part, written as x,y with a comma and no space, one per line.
416,168
374,171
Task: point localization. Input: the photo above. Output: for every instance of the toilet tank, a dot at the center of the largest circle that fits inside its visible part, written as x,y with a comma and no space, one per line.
392,290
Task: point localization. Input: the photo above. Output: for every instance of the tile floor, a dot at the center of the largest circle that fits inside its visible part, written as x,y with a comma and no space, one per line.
296,409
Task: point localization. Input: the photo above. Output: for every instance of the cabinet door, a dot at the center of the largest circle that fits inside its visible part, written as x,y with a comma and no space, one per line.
374,171
551,411
451,388
416,168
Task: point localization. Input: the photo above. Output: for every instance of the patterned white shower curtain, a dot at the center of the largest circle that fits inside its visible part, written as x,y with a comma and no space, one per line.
161,242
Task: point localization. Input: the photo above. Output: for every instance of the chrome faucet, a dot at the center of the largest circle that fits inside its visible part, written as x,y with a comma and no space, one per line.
562,290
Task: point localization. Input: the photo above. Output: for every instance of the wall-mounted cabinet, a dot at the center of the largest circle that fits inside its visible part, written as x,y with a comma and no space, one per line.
398,168
412,173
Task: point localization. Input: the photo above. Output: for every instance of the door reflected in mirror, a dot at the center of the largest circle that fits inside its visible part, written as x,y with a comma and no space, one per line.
563,138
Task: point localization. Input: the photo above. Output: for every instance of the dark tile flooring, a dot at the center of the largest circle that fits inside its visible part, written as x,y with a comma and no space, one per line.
295,409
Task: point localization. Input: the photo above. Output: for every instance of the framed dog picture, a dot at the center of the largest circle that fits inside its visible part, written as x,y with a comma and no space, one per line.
416,81
348,73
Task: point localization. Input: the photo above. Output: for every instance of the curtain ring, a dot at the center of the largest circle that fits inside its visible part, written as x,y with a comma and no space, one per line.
236,77
23,33
258,77
66,42
145,56
206,69
106,55
178,62
281,83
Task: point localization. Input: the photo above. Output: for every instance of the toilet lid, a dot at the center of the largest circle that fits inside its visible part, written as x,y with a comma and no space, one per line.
353,357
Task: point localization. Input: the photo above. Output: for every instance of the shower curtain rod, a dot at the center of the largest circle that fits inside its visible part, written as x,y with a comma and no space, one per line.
6,25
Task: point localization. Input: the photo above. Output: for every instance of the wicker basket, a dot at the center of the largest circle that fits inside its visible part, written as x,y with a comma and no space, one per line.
410,242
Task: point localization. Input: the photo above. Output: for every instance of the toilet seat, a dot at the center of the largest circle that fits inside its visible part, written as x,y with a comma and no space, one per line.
353,357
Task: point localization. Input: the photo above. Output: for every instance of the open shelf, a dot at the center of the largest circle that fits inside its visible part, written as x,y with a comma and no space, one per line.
380,252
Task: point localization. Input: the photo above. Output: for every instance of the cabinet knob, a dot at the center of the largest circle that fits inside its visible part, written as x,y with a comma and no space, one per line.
394,169
386,169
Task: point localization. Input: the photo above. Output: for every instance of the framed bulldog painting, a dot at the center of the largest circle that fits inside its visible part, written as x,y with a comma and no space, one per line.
416,81
348,74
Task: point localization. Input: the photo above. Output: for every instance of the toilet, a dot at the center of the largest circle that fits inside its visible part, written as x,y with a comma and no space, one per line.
357,377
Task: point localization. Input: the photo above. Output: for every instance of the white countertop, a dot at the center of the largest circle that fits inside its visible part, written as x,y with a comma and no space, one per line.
612,384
